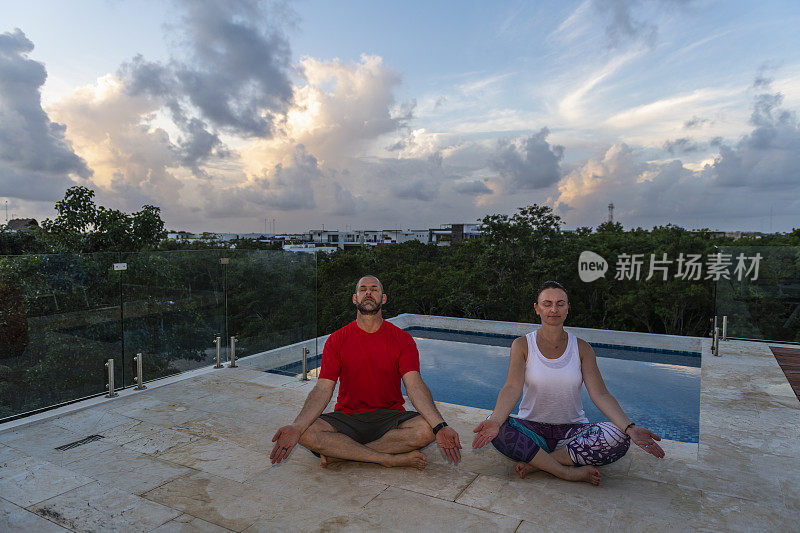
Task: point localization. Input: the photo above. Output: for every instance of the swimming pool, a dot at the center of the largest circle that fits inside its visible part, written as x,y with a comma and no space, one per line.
658,389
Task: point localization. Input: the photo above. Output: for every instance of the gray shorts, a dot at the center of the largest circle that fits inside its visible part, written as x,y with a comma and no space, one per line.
369,426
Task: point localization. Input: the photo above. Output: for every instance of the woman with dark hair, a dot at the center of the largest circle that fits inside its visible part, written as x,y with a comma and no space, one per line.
551,431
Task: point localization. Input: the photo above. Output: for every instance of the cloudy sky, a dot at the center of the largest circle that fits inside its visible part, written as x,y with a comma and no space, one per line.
404,115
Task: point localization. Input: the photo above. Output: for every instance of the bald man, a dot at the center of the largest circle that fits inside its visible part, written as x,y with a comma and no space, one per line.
369,357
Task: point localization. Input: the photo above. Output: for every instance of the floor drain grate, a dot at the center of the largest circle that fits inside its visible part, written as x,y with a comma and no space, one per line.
87,440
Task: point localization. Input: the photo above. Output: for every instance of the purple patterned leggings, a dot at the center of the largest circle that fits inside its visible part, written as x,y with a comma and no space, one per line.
587,444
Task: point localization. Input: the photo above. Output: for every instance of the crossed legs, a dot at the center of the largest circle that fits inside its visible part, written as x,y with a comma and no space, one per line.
560,465
584,447
397,447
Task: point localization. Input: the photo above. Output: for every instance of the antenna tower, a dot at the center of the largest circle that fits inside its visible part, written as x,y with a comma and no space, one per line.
610,213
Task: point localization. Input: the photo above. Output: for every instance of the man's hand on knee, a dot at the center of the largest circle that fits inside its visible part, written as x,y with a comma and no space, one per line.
285,439
447,439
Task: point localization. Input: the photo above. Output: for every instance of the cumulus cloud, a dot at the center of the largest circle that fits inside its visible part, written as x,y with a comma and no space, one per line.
769,156
288,187
530,163
235,72
695,122
743,176
643,192
472,187
344,106
36,161
133,162
681,145
344,202
621,25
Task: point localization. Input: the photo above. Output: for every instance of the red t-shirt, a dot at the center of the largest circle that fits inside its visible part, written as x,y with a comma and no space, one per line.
369,366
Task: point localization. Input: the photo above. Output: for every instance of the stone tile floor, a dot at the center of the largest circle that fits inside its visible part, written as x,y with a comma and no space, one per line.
193,456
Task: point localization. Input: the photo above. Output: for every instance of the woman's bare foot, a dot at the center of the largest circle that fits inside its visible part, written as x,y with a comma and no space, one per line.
415,458
325,461
587,473
523,469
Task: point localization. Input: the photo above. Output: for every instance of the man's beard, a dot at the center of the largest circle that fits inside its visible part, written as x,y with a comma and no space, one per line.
364,310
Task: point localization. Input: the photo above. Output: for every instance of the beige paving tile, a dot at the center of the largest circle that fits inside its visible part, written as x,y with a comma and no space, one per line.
90,421
168,414
218,457
8,453
289,484
128,471
159,441
487,460
310,513
650,506
99,507
130,431
128,405
27,481
441,480
667,470
234,429
732,481
717,454
231,387
41,439
776,467
214,499
399,510
315,519
791,495
524,499
15,519
186,523
263,378
725,513
186,391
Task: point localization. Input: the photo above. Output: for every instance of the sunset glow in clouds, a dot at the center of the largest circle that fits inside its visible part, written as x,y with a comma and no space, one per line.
227,113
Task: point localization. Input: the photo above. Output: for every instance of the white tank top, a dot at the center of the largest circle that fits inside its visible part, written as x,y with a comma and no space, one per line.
552,389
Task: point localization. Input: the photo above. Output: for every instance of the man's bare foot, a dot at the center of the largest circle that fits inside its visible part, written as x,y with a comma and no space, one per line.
414,458
325,461
587,473
523,469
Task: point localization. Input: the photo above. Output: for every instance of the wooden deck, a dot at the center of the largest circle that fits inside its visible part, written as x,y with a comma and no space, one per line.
789,359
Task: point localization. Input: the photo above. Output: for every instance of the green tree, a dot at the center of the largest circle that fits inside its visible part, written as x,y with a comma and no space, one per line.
82,226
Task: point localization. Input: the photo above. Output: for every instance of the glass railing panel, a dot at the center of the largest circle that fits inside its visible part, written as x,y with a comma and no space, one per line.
173,309
272,306
761,298
59,324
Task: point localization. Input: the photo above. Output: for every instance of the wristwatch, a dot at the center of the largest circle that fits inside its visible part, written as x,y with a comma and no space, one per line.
438,427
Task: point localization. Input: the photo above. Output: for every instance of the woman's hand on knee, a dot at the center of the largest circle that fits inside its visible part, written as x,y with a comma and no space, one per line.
486,432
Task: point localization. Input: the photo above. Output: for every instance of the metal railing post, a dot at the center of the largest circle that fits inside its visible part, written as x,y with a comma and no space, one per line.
305,367
715,343
218,342
138,379
725,327
110,384
233,352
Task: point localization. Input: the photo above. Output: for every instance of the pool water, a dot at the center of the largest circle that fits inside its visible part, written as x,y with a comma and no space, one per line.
659,390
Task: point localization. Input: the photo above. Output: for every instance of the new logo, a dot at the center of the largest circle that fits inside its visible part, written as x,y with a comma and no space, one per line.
591,266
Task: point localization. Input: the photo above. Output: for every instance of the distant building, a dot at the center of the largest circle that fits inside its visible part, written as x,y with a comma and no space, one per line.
22,224
320,240
736,235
